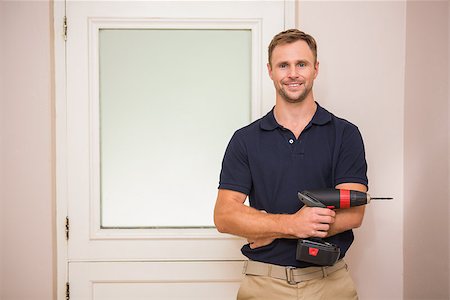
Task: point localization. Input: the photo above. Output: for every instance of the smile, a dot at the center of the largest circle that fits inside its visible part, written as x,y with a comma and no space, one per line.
296,84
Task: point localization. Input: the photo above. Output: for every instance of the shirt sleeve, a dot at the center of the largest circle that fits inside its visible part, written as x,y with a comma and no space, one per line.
235,174
351,165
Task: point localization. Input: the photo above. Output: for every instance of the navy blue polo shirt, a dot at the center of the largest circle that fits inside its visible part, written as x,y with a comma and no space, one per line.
265,161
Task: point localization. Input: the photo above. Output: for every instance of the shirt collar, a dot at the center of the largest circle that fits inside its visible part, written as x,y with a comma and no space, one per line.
321,117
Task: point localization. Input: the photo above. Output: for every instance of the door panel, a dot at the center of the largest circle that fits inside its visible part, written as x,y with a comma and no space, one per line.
181,280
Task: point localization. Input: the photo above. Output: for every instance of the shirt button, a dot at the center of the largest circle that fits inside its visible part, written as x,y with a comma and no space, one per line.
291,141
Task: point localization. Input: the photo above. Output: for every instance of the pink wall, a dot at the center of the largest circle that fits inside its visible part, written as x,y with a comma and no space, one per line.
27,260
1,145
426,218
26,155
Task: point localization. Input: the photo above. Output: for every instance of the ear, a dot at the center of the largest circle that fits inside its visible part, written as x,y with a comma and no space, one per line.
316,69
269,69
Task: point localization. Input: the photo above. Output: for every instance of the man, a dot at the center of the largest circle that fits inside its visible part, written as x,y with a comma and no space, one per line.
296,146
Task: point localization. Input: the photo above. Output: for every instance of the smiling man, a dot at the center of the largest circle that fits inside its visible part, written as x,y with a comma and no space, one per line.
297,146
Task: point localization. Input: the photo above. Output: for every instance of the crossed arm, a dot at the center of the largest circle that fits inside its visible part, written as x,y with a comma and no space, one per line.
261,228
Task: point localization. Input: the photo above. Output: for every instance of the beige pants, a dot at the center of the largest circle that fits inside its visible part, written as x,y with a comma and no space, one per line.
336,286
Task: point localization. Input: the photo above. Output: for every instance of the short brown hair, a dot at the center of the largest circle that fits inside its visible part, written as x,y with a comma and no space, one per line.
291,36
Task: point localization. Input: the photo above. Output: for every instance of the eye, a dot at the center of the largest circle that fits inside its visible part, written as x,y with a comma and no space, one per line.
301,65
283,66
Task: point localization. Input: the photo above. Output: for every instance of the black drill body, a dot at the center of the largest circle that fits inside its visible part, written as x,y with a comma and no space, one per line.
333,198
316,250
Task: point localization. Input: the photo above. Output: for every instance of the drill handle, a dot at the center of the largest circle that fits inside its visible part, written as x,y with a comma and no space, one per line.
309,200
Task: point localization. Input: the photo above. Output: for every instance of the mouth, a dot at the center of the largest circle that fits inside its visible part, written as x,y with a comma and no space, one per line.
293,84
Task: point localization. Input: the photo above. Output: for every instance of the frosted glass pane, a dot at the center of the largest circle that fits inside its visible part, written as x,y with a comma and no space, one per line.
169,102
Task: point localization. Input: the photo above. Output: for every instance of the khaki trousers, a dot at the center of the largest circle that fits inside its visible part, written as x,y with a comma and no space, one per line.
336,286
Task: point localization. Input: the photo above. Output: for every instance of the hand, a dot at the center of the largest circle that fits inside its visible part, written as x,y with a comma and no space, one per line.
256,243
312,222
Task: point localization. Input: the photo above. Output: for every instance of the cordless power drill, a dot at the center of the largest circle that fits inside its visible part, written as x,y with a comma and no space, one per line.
316,250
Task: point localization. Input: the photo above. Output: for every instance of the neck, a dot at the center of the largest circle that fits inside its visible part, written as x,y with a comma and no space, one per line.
295,116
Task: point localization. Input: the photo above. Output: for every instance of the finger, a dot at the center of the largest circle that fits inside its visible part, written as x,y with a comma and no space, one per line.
325,219
315,219
321,211
260,243
319,233
324,211
321,226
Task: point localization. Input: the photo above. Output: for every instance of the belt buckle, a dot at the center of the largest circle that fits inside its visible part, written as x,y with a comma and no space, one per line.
290,275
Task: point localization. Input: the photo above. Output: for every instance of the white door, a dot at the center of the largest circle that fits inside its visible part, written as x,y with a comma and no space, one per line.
149,94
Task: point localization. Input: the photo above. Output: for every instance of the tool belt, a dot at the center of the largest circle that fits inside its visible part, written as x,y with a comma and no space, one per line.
290,274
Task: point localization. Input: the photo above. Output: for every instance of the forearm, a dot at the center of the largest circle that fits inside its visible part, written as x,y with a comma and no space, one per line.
233,217
348,218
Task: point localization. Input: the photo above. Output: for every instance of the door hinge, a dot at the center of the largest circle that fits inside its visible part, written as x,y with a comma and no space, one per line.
65,28
67,228
67,291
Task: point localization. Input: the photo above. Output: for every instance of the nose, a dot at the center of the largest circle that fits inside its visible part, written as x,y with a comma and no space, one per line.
293,72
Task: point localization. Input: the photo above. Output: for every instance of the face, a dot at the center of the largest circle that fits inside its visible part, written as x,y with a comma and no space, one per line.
293,70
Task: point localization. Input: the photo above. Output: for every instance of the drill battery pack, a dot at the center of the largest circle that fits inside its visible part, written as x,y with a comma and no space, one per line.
317,252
